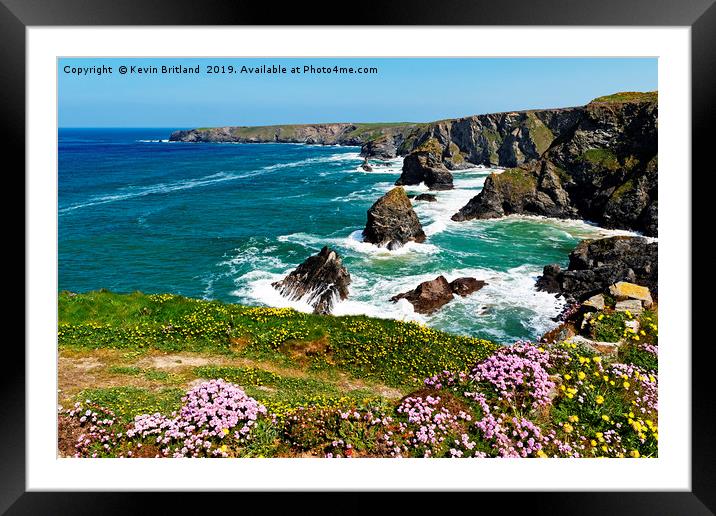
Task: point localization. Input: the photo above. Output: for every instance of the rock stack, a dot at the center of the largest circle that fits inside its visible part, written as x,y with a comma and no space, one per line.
392,221
320,281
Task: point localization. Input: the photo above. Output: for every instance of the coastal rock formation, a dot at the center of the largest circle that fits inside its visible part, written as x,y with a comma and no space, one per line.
378,141
320,280
384,147
392,221
597,162
624,291
534,189
596,265
425,164
366,166
466,286
427,197
603,167
428,296
431,295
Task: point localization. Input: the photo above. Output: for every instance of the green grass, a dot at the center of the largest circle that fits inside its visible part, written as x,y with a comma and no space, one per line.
603,158
608,326
340,369
630,96
540,133
515,183
623,189
393,352
127,402
432,146
363,131
282,394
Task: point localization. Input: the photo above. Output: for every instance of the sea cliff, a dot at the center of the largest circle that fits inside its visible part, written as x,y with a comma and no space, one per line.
597,162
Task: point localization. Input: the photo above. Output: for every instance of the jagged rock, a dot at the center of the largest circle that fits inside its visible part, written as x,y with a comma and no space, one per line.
431,295
392,221
623,291
424,165
550,279
601,159
426,197
428,296
599,163
534,189
320,280
366,166
383,147
466,286
595,265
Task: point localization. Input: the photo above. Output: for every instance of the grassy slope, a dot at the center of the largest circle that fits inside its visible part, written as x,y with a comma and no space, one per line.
136,353
630,96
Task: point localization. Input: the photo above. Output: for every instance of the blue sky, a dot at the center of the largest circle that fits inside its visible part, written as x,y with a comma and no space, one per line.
404,89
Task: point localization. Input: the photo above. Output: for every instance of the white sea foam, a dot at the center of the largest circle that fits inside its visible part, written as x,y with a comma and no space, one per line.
393,166
355,242
254,257
257,286
575,228
436,216
338,157
512,289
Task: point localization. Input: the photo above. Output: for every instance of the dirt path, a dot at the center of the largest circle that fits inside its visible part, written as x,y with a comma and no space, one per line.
103,368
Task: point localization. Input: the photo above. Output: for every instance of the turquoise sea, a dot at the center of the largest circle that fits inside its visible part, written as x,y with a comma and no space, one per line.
222,221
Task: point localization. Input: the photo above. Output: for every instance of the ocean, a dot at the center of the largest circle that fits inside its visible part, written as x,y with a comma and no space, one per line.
223,221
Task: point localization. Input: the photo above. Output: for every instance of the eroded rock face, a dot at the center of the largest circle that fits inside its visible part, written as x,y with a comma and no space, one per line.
534,189
597,162
384,147
425,165
321,280
392,222
595,265
431,295
428,296
600,166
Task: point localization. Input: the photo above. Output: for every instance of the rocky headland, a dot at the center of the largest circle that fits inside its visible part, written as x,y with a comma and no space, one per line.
602,166
596,162
378,140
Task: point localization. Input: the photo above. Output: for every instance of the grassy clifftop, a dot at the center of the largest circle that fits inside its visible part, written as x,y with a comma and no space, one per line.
630,96
394,352
327,133
167,376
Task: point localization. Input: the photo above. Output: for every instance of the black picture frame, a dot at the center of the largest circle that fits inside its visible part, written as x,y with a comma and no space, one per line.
699,15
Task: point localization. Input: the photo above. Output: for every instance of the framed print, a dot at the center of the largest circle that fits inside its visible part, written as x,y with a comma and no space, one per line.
352,258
